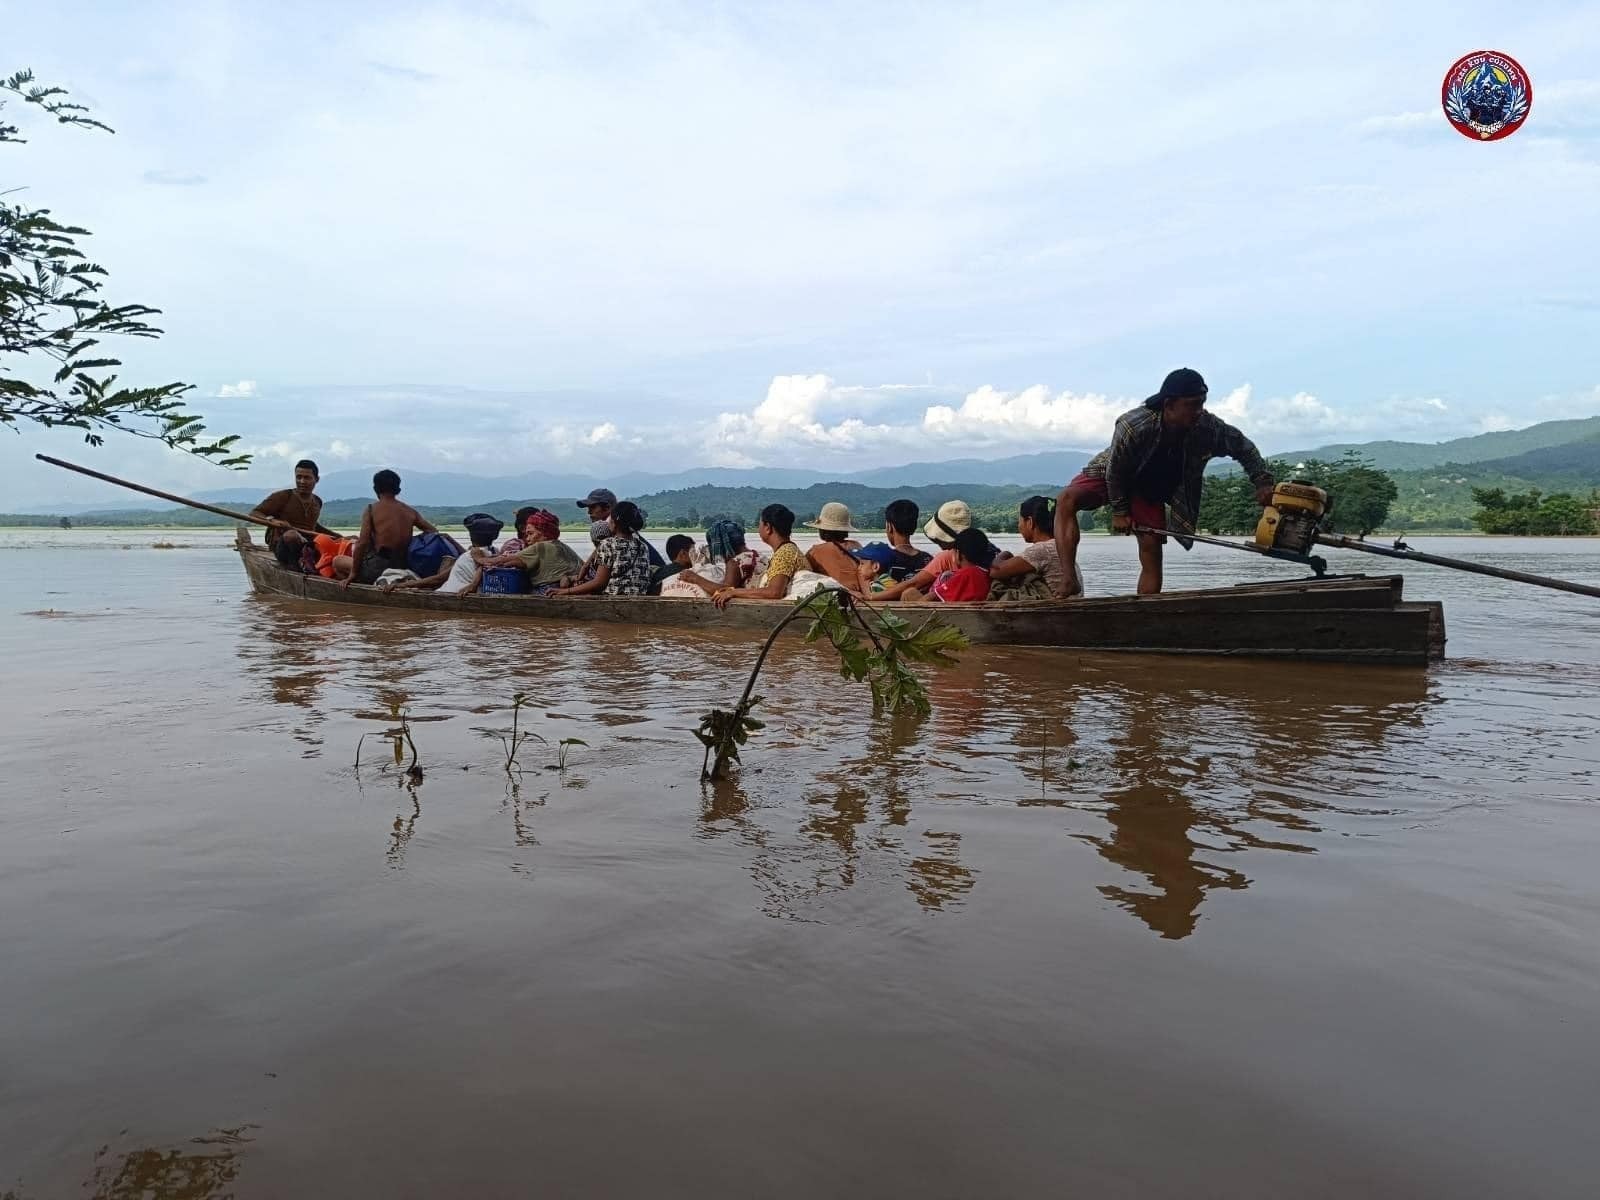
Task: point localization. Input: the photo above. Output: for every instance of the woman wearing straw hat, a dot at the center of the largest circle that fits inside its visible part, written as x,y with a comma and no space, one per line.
831,555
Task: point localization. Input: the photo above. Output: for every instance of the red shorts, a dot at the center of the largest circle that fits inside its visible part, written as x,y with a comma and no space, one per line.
1092,494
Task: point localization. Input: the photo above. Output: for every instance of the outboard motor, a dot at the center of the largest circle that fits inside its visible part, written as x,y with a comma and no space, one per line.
1290,521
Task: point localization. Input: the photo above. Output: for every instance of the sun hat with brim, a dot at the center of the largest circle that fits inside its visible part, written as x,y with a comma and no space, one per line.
953,516
834,518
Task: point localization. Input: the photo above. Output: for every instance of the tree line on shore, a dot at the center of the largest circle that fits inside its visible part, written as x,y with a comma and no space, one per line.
1364,498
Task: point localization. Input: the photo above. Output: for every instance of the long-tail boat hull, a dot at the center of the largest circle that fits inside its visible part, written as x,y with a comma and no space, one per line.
1333,619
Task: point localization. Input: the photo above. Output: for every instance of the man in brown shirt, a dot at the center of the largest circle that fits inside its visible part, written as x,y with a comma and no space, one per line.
385,538
291,510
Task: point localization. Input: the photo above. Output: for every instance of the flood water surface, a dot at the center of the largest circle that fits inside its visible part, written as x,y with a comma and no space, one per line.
1099,925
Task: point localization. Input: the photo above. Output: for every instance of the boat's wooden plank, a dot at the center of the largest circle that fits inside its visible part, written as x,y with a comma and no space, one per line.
1332,619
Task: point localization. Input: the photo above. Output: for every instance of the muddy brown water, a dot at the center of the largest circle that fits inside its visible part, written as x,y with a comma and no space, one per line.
1099,926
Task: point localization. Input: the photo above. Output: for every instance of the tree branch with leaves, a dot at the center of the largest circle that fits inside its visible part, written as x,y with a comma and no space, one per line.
837,615
54,322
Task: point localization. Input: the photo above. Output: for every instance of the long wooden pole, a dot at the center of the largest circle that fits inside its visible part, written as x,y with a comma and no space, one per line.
160,495
1459,564
1315,562
1341,542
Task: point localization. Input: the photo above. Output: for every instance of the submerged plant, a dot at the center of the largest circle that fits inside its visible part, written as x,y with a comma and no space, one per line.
512,741
402,739
564,745
841,617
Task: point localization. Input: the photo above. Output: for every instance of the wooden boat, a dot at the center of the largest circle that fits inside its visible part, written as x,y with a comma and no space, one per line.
1349,618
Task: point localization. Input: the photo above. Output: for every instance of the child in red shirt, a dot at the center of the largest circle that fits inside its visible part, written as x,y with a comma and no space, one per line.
969,579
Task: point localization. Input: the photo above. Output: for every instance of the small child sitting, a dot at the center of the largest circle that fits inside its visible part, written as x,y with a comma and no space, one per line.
680,557
969,579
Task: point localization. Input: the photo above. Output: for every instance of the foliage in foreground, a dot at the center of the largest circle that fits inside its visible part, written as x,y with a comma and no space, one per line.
53,320
842,618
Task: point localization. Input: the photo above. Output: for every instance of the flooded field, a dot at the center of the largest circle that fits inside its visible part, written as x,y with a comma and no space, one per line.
1099,926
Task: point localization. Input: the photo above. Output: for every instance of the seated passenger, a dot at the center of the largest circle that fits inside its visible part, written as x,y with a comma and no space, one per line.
774,528
953,516
544,556
968,579
1035,574
621,562
735,565
831,556
599,504
289,512
897,559
680,554
514,543
330,549
459,574
384,543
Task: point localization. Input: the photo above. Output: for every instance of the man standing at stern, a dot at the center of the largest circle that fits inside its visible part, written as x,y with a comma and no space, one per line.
1157,459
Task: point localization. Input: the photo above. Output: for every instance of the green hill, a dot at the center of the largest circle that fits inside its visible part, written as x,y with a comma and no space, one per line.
688,508
1441,497
1482,447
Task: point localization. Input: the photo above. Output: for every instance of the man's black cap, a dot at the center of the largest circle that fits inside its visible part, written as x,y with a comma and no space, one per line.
1185,381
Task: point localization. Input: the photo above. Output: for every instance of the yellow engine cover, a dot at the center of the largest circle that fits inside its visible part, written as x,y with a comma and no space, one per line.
1302,496
1300,499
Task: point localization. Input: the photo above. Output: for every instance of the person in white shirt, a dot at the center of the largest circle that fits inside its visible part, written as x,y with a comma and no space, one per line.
460,575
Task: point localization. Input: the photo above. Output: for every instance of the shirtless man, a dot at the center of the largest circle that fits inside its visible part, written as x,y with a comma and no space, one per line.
385,536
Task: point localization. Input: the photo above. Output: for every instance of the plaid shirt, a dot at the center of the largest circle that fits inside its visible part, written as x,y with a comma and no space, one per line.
1135,442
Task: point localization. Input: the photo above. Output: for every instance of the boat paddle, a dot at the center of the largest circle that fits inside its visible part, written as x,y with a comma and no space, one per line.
1316,562
1403,552
160,495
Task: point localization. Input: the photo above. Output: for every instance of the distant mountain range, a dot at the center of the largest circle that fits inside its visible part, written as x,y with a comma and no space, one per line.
1435,481
1482,447
433,487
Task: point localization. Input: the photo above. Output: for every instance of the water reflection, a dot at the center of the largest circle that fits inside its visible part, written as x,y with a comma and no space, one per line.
854,826
1195,765
1169,768
159,1173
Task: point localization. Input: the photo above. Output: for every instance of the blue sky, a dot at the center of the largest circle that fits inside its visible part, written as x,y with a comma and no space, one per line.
501,236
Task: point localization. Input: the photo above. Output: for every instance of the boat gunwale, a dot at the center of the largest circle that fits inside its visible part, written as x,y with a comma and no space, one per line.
1346,618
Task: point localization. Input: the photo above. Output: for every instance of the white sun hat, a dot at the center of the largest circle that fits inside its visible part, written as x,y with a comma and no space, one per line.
953,516
834,518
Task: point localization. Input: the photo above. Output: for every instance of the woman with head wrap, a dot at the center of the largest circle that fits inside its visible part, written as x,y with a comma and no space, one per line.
725,544
545,557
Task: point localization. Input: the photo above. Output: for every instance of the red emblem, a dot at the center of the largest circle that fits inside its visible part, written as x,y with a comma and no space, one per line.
1486,95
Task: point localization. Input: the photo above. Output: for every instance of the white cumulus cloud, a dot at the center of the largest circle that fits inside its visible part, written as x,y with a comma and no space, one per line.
245,389
1301,413
989,415
791,415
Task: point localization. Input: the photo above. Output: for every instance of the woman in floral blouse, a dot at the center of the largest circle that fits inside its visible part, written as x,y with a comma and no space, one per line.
622,561
776,523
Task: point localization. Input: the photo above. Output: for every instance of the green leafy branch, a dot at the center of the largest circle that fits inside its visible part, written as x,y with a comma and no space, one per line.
841,617
52,313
